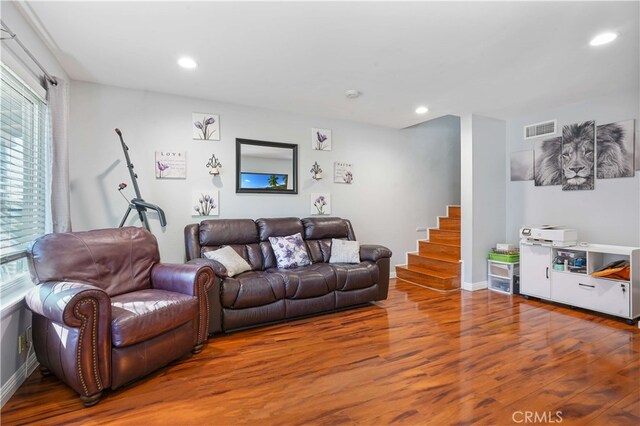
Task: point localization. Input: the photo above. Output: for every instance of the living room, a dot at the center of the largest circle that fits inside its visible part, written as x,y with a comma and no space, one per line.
355,73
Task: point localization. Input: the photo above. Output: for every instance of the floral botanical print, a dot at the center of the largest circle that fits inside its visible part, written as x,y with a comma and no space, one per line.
205,126
290,251
321,139
206,204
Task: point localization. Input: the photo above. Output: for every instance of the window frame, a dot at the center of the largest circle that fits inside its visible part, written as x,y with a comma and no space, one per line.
13,287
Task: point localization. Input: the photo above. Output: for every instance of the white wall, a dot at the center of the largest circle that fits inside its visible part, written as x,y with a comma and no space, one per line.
610,214
402,178
16,319
483,194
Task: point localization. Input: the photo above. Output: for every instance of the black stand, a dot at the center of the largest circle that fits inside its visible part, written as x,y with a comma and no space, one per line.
138,203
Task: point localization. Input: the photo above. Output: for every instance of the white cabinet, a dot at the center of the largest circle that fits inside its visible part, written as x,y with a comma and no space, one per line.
535,261
602,295
620,298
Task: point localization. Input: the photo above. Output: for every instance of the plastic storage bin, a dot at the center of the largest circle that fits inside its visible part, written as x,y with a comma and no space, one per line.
507,258
501,274
502,285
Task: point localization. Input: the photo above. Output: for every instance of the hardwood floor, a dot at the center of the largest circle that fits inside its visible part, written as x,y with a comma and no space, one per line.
419,357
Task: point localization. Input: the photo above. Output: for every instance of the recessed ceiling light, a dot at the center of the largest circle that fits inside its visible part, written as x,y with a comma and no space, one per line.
422,110
352,93
188,63
603,38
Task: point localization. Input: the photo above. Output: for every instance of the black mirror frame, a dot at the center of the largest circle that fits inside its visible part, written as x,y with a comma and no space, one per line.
294,147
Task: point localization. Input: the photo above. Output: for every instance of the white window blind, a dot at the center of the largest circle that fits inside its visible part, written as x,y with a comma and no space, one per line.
22,171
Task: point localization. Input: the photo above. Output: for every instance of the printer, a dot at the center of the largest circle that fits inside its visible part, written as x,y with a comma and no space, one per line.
550,235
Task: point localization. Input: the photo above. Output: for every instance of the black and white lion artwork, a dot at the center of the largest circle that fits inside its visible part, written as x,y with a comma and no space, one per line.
548,165
615,150
578,156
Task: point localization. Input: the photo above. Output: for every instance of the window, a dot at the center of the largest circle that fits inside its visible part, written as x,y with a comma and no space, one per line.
22,173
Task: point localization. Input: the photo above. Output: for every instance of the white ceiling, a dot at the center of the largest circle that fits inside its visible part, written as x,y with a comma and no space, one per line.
500,59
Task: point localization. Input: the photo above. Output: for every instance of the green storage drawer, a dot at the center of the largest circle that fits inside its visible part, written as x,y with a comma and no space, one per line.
508,258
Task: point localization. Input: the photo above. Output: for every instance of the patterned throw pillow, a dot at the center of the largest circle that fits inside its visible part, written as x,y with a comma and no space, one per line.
343,251
290,251
230,259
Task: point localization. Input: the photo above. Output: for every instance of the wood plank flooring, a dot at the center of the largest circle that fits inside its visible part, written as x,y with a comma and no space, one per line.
419,357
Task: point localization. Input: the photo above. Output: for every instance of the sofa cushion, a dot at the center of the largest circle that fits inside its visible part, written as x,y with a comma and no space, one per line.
222,232
355,276
240,234
290,251
230,259
249,289
279,227
307,281
141,315
318,228
319,250
343,251
249,252
318,233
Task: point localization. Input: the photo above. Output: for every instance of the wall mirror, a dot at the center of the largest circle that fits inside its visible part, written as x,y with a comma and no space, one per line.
266,167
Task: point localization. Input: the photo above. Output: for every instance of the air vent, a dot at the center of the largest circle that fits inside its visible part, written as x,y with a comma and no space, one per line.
537,130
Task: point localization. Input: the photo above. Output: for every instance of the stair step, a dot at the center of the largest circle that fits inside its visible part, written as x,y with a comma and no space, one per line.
449,223
433,279
439,250
431,264
453,211
444,237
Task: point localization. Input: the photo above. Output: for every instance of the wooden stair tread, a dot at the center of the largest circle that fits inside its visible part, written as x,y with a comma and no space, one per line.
435,257
440,244
431,273
444,230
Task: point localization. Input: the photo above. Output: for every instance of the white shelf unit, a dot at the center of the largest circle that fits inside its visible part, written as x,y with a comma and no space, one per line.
620,298
500,275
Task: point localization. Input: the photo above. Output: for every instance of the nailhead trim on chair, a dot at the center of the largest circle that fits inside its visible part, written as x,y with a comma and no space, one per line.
76,310
204,317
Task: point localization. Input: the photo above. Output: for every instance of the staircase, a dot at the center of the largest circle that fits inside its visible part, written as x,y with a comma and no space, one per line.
436,265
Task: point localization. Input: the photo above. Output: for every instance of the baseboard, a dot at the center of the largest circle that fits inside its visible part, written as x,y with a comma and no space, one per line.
480,285
392,274
18,378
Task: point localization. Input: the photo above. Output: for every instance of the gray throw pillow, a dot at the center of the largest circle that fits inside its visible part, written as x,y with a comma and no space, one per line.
343,251
232,261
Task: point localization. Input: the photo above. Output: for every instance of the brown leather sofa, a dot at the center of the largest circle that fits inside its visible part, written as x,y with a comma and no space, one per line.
106,312
267,294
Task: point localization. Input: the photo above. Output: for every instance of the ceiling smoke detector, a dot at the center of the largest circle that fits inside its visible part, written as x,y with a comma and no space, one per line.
352,93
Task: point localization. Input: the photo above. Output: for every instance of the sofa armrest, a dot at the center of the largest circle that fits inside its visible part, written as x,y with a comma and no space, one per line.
374,252
59,301
181,278
191,279
218,268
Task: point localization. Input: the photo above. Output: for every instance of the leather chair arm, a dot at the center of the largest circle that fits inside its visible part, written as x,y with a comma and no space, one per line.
194,280
60,302
78,350
374,252
218,268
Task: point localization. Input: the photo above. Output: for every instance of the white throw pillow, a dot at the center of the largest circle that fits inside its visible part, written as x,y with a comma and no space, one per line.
343,251
232,261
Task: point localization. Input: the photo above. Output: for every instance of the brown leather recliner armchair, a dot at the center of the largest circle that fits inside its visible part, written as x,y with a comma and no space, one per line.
106,312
